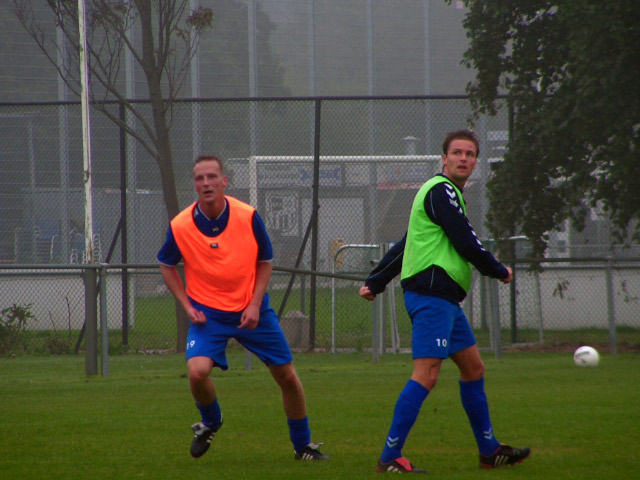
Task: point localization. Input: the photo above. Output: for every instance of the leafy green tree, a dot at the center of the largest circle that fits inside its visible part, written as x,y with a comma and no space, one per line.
569,70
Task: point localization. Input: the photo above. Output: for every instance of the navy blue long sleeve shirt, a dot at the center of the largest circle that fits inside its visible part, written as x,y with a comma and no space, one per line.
390,265
434,280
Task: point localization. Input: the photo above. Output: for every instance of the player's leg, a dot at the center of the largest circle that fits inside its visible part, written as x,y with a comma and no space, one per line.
204,393
469,363
431,326
203,390
294,403
205,348
293,399
474,399
426,371
268,343
405,414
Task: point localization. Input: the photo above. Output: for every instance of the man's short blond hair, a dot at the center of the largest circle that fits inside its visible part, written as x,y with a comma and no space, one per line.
210,158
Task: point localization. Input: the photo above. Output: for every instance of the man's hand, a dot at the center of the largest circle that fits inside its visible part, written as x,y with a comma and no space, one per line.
196,316
509,278
250,317
366,293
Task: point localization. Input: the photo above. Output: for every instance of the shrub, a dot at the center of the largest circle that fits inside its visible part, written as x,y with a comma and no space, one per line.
13,324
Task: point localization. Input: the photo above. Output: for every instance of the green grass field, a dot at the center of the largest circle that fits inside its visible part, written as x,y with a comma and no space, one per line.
58,424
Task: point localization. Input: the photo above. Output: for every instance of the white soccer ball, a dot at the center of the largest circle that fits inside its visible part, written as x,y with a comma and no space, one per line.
586,357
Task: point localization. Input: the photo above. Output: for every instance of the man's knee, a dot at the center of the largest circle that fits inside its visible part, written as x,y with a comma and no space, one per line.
286,376
426,371
199,369
469,363
472,371
478,370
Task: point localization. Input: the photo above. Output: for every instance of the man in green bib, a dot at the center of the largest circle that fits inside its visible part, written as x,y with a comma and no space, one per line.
439,248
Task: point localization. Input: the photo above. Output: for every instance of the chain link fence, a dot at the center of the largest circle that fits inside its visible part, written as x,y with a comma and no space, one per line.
553,305
333,180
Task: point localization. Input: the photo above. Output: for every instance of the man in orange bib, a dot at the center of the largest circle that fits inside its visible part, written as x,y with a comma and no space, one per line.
227,259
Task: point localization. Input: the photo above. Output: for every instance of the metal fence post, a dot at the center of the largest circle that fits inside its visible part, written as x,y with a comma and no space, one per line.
315,205
333,304
384,304
494,301
91,322
375,338
393,317
382,312
104,324
512,304
611,310
123,223
538,306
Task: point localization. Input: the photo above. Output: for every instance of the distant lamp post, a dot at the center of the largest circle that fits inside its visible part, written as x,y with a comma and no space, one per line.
410,145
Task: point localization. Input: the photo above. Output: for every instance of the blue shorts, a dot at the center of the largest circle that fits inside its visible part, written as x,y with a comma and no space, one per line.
439,327
266,341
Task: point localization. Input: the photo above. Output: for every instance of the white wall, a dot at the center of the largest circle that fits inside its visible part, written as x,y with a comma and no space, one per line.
58,301
568,299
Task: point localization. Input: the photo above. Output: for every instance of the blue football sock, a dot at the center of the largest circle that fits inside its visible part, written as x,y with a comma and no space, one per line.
211,414
404,416
299,433
474,401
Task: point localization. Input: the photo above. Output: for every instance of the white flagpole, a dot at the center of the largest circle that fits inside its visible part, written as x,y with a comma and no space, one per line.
86,135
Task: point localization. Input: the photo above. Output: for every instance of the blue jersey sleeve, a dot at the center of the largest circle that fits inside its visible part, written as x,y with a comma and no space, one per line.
265,251
169,254
441,204
390,265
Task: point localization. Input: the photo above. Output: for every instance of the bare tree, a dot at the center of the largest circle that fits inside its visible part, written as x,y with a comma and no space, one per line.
169,36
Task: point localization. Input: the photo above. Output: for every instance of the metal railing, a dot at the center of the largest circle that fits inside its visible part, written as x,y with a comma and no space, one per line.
567,301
